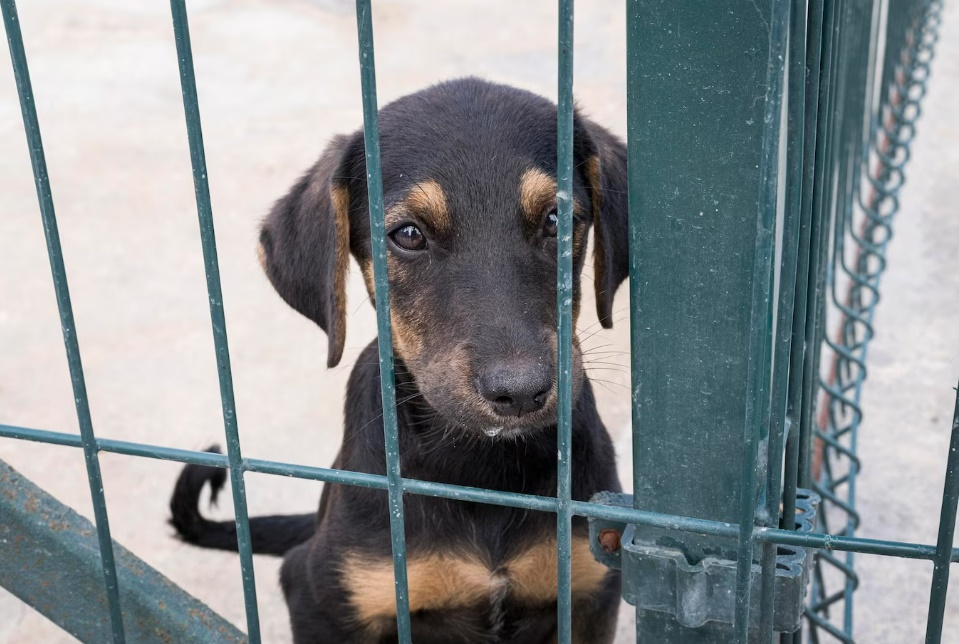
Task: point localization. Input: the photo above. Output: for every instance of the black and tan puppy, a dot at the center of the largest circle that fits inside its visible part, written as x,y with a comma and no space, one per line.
469,180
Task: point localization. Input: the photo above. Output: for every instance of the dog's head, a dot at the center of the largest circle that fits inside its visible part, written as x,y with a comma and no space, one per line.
469,189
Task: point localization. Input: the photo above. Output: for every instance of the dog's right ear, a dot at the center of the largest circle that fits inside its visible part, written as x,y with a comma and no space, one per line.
604,164
305,244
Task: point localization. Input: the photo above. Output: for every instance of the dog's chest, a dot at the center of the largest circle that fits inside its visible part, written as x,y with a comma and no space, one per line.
457,580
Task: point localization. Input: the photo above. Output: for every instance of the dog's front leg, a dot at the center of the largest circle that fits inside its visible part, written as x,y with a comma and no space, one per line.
317,609
594,618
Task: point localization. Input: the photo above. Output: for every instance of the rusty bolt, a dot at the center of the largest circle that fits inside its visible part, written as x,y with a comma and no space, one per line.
609,540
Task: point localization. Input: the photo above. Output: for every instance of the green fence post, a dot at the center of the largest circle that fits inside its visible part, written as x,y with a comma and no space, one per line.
704,104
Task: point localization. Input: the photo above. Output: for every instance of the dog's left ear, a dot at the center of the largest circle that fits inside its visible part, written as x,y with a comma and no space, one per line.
602,156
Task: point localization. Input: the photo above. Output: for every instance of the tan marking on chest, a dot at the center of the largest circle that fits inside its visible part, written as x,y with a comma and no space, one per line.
534,573
435,581
448,581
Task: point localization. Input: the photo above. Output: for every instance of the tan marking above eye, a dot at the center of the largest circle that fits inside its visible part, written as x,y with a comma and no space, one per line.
427,201
457,580
537,194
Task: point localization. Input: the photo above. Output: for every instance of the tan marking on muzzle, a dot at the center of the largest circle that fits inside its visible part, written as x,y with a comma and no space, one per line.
407,338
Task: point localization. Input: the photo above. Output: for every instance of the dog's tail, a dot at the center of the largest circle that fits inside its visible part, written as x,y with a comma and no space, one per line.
269,535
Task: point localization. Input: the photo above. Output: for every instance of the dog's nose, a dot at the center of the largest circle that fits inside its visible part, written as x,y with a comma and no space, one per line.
516,387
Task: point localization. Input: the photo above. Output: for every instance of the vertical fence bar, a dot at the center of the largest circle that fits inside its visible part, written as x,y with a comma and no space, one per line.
51,232
856,83
819,231
634,59
371,135
822,223
843,150
201,186
564,296
789,263
758,369
800,352
947,531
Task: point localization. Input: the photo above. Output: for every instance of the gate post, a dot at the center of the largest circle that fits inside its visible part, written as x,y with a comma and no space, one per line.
703,133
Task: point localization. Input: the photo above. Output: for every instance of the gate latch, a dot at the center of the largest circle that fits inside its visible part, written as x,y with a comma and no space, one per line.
661,578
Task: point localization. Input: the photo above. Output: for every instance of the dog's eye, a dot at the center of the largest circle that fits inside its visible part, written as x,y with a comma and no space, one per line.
409,237
551,224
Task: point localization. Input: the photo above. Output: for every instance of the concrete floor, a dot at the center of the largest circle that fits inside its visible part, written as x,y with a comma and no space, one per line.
276,80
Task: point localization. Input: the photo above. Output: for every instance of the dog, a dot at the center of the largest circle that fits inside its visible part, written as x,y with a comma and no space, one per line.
469,188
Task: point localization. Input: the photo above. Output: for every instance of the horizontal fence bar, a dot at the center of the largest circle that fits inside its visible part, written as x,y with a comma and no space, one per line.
901,549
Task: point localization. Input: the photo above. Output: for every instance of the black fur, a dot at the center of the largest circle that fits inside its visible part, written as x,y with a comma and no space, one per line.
483,293
269,535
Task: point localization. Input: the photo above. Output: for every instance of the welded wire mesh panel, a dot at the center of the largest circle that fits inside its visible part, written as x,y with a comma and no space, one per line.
849,76
878,93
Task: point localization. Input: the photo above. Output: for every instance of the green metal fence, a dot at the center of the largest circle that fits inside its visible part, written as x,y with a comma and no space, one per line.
758,385
876,145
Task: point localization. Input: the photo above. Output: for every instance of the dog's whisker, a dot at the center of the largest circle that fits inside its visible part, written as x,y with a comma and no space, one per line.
595,369
595,351
597,347
380,415
603,383
599,330
609,363
604,359
618,311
